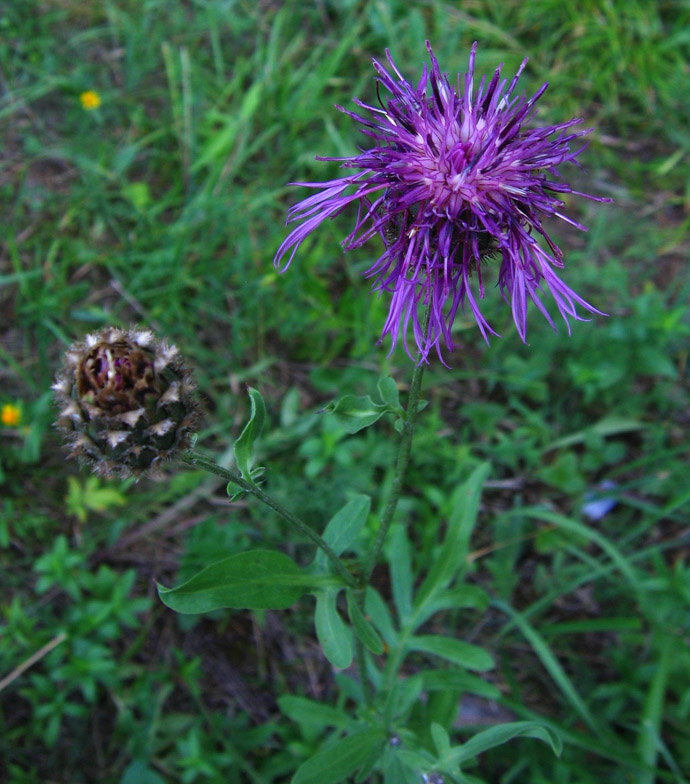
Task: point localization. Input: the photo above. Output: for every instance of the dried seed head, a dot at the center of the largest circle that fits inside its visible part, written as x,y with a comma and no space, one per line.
126,402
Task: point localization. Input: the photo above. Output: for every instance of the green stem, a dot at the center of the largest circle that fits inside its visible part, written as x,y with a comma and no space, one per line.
360,656
197,461
409,422
400,469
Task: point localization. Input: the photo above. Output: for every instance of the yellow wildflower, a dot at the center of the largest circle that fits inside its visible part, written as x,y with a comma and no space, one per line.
90,100
10,415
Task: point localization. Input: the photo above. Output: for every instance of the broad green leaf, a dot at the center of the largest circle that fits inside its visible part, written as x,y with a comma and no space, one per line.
388,390
306,711
440,739
355,413
417,760
339,760
500,734
139,772
461,522
380,615
457,680
255,580
400,561
459,597
244,446
397,773
344,527
333,635
362,628
402,697
367,767
461,653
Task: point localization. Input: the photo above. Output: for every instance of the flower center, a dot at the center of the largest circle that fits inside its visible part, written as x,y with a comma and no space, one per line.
117,376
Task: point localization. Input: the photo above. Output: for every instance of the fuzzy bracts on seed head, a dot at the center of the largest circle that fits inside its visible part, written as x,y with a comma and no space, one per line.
126,402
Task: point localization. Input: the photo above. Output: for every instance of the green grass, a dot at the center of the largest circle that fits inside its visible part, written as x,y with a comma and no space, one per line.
165,207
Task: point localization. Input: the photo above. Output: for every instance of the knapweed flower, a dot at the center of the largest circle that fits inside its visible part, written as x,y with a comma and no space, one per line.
10,415
453,177
90,100
126,401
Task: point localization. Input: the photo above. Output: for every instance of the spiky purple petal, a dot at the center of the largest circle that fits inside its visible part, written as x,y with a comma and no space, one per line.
451,177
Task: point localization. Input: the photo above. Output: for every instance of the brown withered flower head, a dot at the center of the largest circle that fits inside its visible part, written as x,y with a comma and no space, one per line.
126,402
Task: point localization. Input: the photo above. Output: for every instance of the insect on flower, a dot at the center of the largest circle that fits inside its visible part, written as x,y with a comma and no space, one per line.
453,178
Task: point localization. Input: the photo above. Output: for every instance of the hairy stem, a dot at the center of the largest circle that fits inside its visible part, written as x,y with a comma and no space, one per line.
197,461
399,476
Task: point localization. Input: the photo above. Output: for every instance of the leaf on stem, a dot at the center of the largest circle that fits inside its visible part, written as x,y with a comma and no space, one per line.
309,712
400,560
355,413
388,390
244,446
472,657
378,611
254,580
363,629
344,528
334,636
339,760
500,734
461,522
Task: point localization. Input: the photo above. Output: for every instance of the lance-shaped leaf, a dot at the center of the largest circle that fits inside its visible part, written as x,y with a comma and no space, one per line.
339,760
255,580
500,734
334,636
363,629
344,527
461,522
472,657
244,446
388,390
355,413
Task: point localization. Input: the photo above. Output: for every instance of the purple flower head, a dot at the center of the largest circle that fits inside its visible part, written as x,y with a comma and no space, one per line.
451,178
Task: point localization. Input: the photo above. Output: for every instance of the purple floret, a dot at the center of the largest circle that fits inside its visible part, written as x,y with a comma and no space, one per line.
451,179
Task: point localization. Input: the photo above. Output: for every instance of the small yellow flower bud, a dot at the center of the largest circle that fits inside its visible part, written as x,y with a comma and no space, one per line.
90,100
10,415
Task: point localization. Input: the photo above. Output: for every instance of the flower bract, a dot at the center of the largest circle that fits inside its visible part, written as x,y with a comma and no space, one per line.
126,402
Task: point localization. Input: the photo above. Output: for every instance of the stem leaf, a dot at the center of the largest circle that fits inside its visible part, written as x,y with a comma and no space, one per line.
388,390
400,561
344,527
365,632
472,657
314,714
355,413
254,580
461,522
500,734
378,611
334,636
244,446
339,760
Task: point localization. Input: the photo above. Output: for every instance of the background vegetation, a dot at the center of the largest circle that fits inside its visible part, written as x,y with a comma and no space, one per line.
165,206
